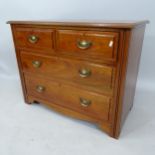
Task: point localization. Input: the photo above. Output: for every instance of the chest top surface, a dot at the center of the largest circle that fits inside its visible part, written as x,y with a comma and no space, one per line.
86,23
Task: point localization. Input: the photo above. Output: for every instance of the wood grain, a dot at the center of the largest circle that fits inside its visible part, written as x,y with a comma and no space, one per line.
103,44
100,80
45,38
105,97
69,97
121,24
132,52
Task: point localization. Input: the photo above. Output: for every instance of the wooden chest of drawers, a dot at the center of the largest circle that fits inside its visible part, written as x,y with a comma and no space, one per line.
84,70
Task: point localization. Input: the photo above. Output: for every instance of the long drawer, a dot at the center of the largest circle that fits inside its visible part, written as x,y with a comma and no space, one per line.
95,77
88,103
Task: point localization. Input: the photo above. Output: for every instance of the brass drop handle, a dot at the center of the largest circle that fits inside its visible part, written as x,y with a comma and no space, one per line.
85,102
33,39
84,73
40,89
36,63
84,44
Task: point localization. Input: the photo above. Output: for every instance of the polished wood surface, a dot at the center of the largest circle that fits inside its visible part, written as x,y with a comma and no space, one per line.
69,97
103,44
44,38
100,79
130,68
83,70
127,24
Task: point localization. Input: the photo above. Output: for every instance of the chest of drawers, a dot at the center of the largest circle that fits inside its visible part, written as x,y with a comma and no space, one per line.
83,70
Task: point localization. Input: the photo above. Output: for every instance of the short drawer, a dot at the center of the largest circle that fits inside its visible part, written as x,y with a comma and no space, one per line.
88,44
34,38
94,77
88,103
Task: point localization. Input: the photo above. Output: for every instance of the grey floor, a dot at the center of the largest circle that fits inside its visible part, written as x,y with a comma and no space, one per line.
36,130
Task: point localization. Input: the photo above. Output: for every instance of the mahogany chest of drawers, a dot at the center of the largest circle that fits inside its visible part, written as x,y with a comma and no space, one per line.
84,70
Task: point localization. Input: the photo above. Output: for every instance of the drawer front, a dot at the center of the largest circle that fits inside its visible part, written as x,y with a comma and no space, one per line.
85,102
34,38
95,77
88,44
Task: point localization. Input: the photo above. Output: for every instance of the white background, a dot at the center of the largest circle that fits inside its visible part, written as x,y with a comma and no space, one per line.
81,10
